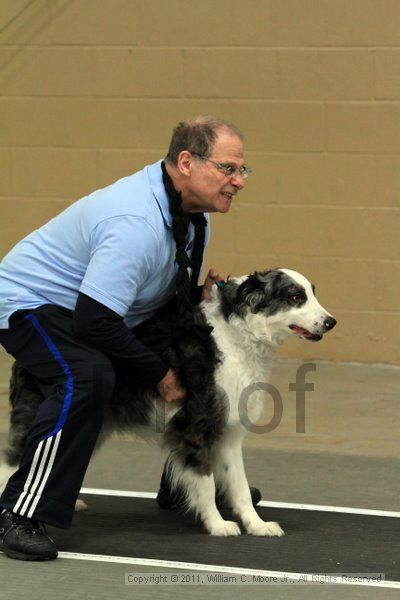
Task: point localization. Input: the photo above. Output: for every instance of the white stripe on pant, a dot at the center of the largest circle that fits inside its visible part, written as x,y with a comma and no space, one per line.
42,475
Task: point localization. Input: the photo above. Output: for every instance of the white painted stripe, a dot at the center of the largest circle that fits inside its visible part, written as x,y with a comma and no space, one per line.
338,509
169,564
46,475
288,505
29,478
120,493
39,474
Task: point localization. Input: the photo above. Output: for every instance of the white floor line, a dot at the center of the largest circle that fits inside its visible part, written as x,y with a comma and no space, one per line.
290,505
169,564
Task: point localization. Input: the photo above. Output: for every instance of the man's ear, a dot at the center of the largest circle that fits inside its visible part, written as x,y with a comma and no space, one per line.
185,162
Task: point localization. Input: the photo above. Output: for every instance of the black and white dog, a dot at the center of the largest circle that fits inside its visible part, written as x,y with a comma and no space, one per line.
250,316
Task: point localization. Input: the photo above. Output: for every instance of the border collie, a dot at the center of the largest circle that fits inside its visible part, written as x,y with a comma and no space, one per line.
250,317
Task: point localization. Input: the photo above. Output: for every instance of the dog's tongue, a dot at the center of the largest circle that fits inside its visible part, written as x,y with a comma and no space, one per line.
300,330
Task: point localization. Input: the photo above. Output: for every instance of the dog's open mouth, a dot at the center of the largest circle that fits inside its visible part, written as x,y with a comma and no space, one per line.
314,337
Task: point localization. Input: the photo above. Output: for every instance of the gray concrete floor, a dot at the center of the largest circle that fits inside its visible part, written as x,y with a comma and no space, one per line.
347,456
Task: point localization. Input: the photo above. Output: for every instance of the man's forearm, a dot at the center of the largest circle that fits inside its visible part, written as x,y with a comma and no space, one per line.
102,328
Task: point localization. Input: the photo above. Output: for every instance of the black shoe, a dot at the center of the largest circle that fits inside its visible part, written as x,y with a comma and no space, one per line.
25,539
168,499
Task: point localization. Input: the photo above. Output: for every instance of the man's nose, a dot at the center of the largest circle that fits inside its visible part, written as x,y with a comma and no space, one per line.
238,181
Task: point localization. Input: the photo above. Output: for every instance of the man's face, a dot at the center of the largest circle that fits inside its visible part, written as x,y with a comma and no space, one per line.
209,189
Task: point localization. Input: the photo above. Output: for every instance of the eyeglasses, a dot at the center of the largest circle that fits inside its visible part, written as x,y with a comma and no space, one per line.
228,170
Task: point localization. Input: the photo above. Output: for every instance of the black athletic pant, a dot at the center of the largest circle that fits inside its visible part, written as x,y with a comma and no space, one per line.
76,381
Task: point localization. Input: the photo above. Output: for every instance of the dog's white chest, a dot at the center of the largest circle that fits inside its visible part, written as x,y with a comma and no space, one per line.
243,378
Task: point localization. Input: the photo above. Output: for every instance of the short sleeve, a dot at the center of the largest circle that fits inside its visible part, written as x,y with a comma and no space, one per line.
123,254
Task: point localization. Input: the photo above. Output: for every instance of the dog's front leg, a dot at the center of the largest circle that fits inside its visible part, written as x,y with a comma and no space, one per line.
231,478
200,497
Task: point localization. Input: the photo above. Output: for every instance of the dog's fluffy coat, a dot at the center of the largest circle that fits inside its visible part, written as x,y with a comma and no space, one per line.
250,316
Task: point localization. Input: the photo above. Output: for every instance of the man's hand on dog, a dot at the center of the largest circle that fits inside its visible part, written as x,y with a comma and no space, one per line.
170,389
212,277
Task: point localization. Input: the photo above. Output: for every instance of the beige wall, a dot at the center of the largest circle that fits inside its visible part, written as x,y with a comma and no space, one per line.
90,90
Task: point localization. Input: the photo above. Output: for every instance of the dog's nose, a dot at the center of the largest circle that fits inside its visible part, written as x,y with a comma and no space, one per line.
329,323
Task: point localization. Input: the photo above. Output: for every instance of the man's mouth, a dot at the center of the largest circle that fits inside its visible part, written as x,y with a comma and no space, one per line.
228,195
304,333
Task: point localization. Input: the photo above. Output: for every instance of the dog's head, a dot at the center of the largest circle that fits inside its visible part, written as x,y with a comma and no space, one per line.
276,304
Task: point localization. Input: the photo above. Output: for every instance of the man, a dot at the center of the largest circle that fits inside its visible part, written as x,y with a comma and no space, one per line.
70,294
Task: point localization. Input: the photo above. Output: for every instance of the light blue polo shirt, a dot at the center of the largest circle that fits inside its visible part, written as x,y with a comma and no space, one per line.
115,245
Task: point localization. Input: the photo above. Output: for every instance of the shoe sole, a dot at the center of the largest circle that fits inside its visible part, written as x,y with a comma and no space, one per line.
21,556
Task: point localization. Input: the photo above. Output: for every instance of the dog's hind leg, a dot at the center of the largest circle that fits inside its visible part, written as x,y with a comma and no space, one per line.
25,398
199,493
24,401
231,479
6,471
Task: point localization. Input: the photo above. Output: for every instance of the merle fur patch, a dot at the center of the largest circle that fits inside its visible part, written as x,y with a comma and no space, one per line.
263,291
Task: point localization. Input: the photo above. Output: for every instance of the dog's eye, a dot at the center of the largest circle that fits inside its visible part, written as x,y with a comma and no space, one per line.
297,298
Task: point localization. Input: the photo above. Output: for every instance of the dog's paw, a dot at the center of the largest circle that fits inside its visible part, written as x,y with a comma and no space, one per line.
224,528
80,505
266,528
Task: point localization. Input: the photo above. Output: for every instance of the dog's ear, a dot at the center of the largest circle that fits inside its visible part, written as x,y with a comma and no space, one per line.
254,292
258,290
227,295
